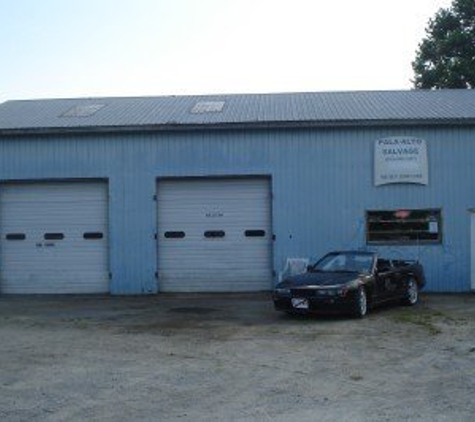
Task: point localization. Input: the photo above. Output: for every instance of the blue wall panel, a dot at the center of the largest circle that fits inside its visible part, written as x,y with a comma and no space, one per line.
322,185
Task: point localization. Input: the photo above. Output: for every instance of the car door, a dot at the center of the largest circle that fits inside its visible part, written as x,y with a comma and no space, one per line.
385,280
400,278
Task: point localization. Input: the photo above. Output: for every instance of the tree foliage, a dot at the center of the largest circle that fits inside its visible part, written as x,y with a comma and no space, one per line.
446,56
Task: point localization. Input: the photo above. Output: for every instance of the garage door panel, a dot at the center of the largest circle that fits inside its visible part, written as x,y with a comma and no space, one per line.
43,263
234,262
219,272
215,255
198,241
211,285
63,286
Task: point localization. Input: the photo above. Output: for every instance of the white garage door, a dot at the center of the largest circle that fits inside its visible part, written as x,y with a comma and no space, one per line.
214,235
53,238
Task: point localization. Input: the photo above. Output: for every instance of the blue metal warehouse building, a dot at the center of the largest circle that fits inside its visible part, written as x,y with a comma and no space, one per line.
214,193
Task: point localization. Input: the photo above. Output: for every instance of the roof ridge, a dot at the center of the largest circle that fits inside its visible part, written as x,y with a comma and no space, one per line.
231,94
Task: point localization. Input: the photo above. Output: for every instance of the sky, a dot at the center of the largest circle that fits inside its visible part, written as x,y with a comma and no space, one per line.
90,48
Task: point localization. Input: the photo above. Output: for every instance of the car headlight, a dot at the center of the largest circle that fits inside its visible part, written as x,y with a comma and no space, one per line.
341,292
282,291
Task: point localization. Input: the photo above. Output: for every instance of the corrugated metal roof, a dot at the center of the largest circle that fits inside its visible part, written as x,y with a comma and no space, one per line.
247,110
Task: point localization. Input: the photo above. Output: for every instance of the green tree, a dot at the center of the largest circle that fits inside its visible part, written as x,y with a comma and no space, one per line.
446,56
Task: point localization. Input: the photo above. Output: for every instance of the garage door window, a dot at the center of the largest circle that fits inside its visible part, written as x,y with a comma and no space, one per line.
93,235
54,236
255,233
15,236
214,233
174,235
404,226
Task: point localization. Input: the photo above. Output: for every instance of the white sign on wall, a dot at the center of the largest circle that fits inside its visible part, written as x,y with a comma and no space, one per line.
400,159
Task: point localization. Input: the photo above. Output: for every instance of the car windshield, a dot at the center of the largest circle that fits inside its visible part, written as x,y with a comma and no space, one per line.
346,262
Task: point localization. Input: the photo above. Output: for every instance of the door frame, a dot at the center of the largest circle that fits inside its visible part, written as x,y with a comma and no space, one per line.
266,176
65,180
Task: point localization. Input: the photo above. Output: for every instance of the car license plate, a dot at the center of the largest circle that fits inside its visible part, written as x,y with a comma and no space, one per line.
298,303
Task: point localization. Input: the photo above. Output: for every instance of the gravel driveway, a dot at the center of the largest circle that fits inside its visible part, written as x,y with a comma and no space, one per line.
231,357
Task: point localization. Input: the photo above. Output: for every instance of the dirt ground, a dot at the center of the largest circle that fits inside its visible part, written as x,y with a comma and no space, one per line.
231,357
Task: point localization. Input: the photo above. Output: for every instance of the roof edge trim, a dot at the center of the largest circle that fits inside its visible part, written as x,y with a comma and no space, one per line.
171,127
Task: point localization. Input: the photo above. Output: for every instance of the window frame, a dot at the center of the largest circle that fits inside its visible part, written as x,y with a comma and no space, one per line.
408,242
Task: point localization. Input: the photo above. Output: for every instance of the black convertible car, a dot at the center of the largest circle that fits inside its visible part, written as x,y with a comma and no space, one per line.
351,282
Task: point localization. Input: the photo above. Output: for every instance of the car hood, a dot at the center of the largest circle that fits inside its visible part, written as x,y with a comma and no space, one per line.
319,279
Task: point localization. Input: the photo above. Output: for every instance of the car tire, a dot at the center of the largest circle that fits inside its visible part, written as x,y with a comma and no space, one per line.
360,307
411,296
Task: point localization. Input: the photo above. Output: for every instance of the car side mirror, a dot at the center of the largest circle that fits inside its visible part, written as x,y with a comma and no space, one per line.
309,268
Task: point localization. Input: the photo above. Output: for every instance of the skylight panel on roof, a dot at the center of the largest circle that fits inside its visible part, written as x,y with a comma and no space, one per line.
83,110
207,107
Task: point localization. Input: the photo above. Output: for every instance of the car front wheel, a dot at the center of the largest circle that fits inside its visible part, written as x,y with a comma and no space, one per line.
412,293
361,304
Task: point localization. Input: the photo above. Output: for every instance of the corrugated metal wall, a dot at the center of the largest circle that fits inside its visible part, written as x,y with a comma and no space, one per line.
321,180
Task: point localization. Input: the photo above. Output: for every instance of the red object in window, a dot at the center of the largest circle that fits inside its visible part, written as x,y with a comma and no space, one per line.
402,213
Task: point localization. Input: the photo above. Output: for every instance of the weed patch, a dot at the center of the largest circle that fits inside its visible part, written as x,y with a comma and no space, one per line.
424,318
